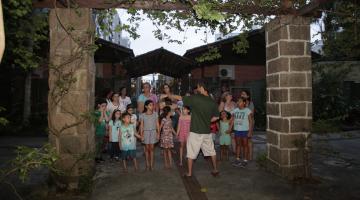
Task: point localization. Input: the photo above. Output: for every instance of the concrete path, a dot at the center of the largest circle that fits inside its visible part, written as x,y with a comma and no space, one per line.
111,183
336,164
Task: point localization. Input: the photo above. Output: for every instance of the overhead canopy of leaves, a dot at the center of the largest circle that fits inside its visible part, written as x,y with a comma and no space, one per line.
25,31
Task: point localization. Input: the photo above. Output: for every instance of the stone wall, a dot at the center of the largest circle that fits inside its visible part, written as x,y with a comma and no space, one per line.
71,94
289,92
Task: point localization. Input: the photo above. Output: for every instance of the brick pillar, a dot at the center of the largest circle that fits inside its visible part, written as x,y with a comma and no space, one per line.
289,92
71,94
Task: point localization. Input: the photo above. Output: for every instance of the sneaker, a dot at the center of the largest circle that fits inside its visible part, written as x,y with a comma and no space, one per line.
235,163
244,163
239,164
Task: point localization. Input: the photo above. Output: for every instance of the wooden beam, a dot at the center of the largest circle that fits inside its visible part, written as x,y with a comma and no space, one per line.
311,8
155,5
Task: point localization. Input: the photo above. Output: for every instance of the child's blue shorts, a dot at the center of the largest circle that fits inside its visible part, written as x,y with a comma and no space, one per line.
241,134
129,154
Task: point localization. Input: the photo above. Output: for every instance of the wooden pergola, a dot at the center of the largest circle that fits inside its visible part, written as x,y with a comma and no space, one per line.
285,8
288,78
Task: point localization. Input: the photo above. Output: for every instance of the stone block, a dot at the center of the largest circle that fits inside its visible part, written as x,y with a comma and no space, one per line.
298,94
280,156
309,79
300,125
279,124
278,65
299,32
300,64
292,172
308,49
278,95
290,48
272,51
59,123
290,140
272,138
309,109
272,109
272,80
75,103
70,144
60,44
293,109
54,142
72,19
293,80
297,157
277,34
67,163
86,127
84,80
293,20
288,172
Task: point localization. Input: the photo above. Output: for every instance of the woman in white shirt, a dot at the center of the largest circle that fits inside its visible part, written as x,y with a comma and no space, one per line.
124,100
113,104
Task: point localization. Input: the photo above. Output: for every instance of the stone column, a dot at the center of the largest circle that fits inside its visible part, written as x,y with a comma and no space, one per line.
71,93
289,93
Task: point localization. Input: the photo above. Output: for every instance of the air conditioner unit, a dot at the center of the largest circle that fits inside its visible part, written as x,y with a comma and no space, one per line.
227,72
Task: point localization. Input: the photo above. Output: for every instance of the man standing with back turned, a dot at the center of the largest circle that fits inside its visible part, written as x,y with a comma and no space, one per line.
203,112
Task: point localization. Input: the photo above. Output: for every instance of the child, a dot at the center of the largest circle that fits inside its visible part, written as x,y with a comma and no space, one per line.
114,126
213,130
183,130
133,118
127,140
225,131
150,132
246,94
167,131
102,117
242,124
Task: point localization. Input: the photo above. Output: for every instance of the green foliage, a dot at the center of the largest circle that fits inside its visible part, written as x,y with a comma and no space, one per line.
261,159
329,99
205,10
212,54
28,159
25,30
3,120
341,35
326,126
242,44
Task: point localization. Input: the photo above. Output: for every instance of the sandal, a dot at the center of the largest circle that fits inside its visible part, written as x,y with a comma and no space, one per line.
215,174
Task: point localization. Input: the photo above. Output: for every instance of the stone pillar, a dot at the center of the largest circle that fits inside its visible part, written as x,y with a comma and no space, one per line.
71,93
289,93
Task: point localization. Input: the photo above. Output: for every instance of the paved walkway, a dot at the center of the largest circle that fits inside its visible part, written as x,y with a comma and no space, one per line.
111,183
336,164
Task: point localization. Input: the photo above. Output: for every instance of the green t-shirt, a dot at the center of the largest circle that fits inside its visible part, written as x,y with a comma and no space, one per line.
203,108
100,127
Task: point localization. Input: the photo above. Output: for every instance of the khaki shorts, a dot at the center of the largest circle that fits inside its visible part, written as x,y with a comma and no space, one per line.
195,142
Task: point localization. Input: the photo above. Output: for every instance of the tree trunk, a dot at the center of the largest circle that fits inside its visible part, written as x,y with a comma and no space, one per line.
27,98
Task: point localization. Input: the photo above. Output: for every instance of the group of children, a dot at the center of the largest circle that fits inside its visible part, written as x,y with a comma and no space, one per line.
236,125
124,130
122,134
